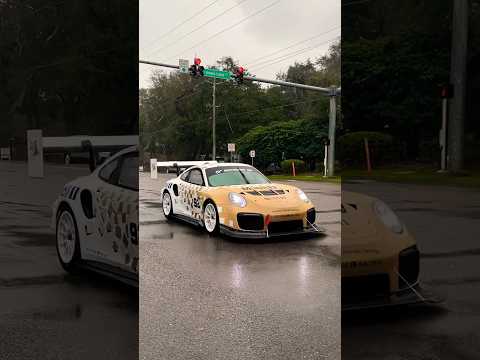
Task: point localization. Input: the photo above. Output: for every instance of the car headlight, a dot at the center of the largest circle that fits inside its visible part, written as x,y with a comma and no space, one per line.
388,217
303,196
237,199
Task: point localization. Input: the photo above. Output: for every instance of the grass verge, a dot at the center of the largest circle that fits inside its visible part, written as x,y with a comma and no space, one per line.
422,176
307,177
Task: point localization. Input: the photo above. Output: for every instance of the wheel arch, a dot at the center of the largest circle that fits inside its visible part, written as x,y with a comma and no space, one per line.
62,206
208,200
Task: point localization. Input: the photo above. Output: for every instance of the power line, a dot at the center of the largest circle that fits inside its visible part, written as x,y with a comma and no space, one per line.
290,46
197,28
290,55
178,25
229,27
293,53
275,107
183,97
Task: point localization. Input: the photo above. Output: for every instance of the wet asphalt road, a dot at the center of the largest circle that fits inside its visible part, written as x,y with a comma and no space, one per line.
207,297
45,313
446,224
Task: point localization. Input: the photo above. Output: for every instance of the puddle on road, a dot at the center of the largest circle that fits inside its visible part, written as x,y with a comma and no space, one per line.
28,281
162,236
33,239
153,222
152,204
73,312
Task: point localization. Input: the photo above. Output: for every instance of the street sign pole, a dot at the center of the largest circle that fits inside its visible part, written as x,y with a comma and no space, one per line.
231,150
214,147
443,135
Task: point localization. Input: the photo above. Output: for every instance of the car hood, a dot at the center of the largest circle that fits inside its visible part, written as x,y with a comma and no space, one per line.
271,196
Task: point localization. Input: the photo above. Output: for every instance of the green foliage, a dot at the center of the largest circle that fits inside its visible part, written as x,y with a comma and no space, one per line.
290,139
351,148
286,166
395,54
69,67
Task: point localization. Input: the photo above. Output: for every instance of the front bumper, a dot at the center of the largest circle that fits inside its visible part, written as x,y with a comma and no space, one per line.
253,234
409,296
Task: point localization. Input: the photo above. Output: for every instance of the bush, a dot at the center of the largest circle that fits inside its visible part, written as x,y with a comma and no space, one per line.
297,139
351,148
286,166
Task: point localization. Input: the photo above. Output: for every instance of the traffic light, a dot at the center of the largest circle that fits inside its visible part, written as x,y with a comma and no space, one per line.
239,72
196,68
446,91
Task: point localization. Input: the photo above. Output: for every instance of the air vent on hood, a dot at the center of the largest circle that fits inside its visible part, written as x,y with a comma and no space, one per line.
266,192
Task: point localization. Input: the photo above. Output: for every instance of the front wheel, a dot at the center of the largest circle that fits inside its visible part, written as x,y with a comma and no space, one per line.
210,218
67,241
167,205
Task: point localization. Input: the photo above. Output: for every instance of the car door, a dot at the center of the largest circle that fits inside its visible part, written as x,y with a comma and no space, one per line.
117,212
191,196
180,194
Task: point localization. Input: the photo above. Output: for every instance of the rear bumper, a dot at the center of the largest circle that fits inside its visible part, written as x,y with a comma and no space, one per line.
252,234
415,295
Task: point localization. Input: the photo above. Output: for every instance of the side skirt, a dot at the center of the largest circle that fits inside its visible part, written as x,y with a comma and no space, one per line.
122,275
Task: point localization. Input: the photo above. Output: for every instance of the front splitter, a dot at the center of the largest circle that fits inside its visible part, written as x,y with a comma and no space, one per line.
417,295
245,234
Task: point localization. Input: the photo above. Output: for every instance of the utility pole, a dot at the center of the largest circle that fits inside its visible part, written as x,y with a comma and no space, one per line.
214,146
458,77
331,130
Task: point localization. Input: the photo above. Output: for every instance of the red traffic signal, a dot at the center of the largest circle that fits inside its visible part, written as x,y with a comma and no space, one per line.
239,72
446,91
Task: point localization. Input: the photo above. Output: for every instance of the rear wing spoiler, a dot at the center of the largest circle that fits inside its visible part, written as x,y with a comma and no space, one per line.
100,143
91,144
178,165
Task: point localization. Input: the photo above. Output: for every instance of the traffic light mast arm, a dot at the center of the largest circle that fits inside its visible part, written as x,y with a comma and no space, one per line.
159,64
290,84
326,91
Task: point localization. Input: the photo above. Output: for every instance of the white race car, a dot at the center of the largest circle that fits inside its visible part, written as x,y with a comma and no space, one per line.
96,219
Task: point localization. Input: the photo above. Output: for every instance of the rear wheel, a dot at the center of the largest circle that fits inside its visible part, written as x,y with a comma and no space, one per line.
167,205
67,240
210,218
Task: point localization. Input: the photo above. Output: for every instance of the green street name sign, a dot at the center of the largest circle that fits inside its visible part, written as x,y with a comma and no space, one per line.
217,74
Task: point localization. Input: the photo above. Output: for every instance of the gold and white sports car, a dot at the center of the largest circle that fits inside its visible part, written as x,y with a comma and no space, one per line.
380,259
239,201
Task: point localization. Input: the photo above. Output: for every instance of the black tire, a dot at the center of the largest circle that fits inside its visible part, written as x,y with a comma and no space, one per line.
71,266
216,230
168,215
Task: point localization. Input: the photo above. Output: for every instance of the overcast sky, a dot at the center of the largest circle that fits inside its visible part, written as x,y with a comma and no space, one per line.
282,24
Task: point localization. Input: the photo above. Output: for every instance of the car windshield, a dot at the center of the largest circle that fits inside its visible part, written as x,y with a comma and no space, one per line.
234,175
